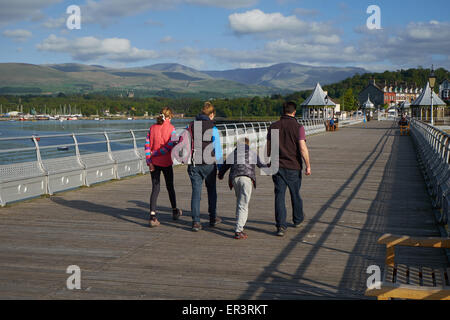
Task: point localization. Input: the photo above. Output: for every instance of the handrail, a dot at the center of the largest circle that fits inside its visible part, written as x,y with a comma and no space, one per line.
43,169
436,138
433,151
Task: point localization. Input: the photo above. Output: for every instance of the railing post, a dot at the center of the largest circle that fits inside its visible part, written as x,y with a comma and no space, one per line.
108,145
38,154
77,150
136,151
80,161
41,164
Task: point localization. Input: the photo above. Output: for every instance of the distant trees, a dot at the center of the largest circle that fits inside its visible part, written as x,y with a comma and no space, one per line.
349,101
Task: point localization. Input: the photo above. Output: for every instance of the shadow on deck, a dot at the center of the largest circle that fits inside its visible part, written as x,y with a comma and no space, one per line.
365,183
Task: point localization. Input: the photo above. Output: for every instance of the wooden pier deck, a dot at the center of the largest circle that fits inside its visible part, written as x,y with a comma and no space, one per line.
365,183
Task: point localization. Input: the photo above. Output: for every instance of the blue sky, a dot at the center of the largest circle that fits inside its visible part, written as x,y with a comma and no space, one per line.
217,35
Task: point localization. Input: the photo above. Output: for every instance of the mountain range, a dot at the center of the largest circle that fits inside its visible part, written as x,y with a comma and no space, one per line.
166,78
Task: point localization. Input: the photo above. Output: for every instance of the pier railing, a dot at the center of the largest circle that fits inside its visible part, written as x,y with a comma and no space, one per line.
40,165
433,152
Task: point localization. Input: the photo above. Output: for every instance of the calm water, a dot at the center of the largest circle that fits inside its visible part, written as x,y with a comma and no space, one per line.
51,127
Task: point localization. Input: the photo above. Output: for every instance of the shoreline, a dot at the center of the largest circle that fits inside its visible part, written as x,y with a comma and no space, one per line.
18,119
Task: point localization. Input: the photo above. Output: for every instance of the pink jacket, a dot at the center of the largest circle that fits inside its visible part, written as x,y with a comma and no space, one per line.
158,136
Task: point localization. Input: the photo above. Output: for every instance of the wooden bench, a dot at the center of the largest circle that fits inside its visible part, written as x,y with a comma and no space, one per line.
404,130
412,282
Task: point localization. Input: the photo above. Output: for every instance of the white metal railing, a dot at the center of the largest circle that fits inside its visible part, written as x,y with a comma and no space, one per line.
36,165
433,152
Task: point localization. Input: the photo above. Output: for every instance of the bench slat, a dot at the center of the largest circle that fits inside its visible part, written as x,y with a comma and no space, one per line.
447,278
402,274
405,291
427,277
414,276
389,274
439,278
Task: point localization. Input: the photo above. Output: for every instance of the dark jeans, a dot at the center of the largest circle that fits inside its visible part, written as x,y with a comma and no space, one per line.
292,179
197,174
156,186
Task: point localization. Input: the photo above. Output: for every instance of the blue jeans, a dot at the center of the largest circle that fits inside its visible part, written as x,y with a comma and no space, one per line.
197,174
292,179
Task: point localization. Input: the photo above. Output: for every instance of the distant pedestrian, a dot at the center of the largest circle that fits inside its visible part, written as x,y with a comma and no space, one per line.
243,178
403,121
159,160
332,125
292,148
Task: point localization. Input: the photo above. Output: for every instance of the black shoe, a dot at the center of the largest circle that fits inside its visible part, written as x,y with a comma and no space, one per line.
196,226
281,232
214,221
176,214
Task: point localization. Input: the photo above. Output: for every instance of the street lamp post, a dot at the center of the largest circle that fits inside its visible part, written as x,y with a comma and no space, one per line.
432,81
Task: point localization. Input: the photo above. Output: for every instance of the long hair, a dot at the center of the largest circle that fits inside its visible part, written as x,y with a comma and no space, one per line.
165,113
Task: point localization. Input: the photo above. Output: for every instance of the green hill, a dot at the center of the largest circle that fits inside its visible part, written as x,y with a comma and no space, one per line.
165,78
19,78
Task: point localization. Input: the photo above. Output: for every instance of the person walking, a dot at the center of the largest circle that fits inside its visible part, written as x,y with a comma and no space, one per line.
292,149
158,137
242,178
204,164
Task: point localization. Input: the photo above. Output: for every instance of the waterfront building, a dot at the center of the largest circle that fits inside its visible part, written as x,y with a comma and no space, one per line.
444,90
421,107
318,105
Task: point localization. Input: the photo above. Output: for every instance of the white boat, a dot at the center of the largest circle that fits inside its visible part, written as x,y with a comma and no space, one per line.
130,118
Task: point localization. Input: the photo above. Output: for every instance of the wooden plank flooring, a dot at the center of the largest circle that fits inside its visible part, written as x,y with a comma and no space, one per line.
365,183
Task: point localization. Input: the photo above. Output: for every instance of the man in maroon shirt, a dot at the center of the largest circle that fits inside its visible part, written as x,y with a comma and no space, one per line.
292,148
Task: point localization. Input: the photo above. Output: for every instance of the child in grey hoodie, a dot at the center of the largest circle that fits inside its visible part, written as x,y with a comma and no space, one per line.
242,178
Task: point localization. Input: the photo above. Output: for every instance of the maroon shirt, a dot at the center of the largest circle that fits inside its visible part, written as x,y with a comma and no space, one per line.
290,134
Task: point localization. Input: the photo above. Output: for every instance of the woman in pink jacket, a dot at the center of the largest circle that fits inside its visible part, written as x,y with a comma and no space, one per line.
158,137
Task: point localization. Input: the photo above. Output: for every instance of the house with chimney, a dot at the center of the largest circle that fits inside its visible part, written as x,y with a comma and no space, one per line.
390,94
444,90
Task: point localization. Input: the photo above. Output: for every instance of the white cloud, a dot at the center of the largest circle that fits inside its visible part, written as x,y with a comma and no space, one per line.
247,65
323,39
256,21
417,44
54,23
276,25
17,10
18,35
318,43
107,11
91,49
